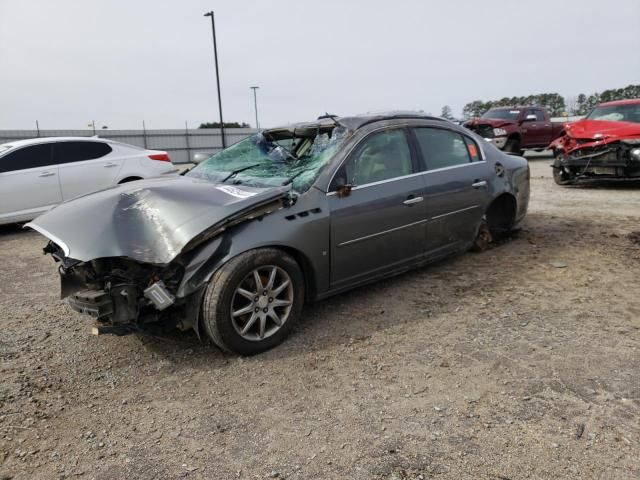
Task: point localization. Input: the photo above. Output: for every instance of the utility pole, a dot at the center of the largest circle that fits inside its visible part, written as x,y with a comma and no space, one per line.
215,56
255,104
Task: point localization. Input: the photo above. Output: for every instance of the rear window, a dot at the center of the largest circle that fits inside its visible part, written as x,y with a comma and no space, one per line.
69,152
27,157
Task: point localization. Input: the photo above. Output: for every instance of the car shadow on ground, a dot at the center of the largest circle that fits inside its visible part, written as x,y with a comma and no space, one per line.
13,229
607,184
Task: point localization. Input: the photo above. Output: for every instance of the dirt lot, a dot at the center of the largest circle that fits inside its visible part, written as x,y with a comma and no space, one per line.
520,362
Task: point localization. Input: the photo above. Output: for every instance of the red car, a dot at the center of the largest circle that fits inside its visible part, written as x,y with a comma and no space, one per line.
605,144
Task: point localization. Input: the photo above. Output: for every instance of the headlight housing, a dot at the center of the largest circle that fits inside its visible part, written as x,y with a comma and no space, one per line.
635,154
499,132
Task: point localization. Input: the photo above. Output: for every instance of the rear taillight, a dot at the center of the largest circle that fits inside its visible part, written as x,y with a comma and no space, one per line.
161,157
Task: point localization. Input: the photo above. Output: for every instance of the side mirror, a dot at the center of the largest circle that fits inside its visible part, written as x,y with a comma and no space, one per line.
200,157
530,118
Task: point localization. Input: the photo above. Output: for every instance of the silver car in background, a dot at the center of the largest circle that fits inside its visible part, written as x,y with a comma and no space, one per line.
39,173
235,247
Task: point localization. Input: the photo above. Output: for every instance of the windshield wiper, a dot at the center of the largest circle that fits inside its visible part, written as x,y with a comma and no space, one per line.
235,172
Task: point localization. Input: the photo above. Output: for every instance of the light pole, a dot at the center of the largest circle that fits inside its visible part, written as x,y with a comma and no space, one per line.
215,55
255,104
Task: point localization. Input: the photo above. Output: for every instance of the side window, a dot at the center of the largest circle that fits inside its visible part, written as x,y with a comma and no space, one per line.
27,157
538,113
381,156
444,148
69,152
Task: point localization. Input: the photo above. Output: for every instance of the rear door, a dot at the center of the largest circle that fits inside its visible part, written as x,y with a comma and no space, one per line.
28,183
456,188
85,166
380,226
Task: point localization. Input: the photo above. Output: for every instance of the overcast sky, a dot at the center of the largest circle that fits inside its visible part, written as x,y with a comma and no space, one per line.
118,62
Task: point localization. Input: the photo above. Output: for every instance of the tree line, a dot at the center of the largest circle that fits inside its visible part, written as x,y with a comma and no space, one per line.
554,102
582,104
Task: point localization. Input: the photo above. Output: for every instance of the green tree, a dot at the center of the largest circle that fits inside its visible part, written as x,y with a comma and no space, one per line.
475,109
581,105
447,113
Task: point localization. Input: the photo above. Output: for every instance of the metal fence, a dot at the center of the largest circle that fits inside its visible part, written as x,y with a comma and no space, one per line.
180,144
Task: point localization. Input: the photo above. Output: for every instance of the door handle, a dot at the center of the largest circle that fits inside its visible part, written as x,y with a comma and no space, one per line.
109,165
479,184
413,200
46,174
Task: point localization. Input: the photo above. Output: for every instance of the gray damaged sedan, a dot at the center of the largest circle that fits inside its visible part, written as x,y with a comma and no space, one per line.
235,247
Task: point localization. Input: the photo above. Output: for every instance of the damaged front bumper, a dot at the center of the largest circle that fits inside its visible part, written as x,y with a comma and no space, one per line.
499,142
121,295
620,159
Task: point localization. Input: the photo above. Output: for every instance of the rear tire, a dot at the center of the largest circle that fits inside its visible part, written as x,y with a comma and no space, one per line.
242,316
513,146
483,239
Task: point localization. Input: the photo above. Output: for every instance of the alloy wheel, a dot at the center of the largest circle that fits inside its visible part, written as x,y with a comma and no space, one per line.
262,302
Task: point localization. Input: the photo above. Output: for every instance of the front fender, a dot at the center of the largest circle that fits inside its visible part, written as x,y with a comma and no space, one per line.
301,230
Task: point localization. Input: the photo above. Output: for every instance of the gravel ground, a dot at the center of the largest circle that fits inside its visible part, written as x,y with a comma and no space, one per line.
519,362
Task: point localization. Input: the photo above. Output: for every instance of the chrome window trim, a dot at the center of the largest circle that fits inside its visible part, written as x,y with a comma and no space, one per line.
384,232
404,125
426,172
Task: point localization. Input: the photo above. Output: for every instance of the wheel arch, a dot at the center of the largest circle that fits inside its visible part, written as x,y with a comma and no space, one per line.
219,252
501,212
306,266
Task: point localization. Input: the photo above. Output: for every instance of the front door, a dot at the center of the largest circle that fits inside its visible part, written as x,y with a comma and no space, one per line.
29,183
380,226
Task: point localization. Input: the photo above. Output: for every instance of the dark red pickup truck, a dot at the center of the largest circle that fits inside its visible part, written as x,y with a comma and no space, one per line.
515,129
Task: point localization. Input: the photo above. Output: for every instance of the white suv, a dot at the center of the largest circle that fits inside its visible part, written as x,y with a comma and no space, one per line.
40,173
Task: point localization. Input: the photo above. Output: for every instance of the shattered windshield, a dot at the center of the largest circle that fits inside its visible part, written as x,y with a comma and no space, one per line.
616,113
502,114
274,158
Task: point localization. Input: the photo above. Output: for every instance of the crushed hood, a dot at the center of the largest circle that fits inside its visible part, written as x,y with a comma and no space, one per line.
602,130
148,221
593,133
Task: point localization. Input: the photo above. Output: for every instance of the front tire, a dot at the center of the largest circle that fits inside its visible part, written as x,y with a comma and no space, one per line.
253,301
560,175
